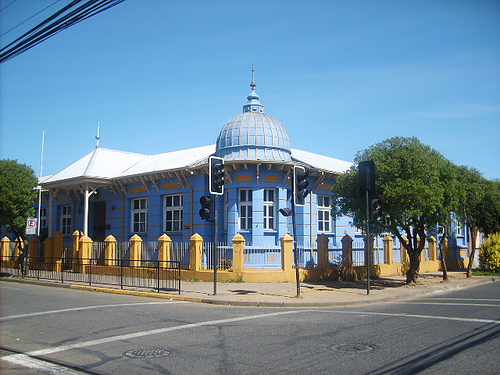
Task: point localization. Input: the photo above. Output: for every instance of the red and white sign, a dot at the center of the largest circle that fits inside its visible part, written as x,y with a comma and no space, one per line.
31,226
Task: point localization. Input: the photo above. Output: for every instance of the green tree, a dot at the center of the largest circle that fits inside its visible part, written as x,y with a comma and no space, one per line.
489,222
417,187
470,207
479,207
17,193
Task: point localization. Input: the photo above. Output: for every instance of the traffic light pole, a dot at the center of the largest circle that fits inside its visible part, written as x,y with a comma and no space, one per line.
216,249
368,243
295,249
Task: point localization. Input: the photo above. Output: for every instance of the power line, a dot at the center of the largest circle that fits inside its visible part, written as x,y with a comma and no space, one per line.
9,4
26,20
66,17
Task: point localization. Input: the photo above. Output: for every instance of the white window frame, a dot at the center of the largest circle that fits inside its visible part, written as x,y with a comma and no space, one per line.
324,218
245,210
139,215
173,212
269,209
66,219
460,229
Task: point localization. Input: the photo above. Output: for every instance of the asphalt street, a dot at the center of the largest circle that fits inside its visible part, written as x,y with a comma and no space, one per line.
65,331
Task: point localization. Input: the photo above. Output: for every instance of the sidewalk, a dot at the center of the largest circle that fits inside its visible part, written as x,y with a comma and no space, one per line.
326,294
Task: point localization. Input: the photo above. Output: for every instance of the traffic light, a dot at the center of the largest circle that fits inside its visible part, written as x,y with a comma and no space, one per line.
206,207
366,171
299,185
376,209
216,175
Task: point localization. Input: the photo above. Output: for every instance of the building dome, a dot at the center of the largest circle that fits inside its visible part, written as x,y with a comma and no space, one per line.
253,135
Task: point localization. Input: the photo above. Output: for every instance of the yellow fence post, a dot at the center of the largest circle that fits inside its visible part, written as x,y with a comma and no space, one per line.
34,252
347,250
196,252
287,252
135,251
388,247
86,253
77,234
110,251
323,258
432,248
34,246
238,253
403,252
164,243
6,248
58,251
48,250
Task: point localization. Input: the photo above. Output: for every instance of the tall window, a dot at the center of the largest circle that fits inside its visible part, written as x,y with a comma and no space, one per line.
139,215
43,217
66,219
173,208
324,213
245,209
269,209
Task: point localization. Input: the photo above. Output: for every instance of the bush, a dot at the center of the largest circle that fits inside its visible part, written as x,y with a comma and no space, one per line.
489,254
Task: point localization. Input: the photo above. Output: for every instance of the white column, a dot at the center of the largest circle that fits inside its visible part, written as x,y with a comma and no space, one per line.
51,199
86,196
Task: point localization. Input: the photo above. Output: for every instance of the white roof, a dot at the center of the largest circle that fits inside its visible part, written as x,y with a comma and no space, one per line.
104,164
169,161
101,163
321,162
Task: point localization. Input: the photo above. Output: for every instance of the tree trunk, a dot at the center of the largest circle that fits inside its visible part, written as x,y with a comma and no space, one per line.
412,273
473,236
443,260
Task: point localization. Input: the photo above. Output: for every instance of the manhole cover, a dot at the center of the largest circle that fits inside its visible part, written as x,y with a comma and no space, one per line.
353,348
147,353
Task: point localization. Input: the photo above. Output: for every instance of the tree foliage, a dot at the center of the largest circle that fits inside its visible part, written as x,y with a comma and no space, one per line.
17,193
489,221
418,188
489,255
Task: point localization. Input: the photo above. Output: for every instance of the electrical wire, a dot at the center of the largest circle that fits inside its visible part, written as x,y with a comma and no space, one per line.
66,17
9,4
27,19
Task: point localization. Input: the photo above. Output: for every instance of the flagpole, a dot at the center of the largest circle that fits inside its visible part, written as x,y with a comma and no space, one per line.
40,187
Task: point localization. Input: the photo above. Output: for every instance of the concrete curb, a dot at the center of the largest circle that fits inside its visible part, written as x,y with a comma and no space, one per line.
294,303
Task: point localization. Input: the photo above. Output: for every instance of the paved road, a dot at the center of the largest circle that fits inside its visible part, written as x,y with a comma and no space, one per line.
62,331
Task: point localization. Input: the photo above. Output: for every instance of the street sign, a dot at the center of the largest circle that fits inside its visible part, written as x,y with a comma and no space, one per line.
31,225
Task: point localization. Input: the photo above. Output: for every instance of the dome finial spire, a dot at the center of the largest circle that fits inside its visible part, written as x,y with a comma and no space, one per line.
253,104
252,85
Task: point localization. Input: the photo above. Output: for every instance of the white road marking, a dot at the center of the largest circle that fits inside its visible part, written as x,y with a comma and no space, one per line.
404,315
449,304
45,366
25,359
29,315
463,299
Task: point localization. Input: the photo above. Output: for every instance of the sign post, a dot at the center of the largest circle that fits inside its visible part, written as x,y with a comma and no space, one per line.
366,174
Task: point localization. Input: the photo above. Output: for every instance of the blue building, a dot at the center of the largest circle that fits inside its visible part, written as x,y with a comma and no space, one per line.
110,192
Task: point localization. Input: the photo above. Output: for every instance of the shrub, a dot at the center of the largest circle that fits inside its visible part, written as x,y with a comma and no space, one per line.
489,254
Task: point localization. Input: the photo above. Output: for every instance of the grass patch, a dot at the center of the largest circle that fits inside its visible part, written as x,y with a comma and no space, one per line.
485,273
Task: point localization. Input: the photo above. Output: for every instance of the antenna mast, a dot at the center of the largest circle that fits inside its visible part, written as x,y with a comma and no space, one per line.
98,136
40,187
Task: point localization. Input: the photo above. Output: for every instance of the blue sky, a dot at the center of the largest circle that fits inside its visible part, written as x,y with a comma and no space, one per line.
340,75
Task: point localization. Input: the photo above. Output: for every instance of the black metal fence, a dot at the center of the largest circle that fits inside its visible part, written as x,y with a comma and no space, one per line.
156,275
